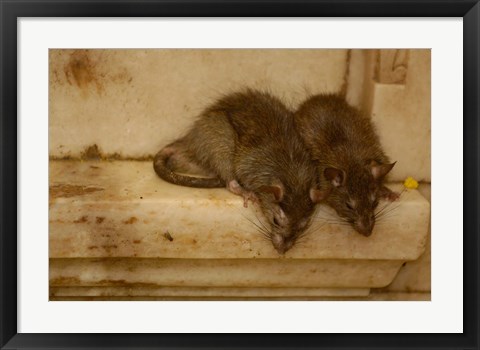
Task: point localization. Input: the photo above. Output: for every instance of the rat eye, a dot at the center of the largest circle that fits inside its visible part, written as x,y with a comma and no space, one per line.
275,221
349,206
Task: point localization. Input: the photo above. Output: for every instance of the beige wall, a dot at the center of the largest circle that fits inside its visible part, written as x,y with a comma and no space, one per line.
132,102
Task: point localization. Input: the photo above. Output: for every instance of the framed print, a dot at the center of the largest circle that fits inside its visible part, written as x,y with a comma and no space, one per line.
248,174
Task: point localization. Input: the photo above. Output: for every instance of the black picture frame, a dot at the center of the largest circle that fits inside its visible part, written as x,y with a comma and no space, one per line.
12,10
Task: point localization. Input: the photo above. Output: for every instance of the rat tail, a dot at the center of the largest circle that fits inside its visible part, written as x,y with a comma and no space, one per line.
161,166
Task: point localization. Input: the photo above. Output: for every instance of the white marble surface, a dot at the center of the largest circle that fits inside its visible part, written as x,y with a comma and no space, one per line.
122,209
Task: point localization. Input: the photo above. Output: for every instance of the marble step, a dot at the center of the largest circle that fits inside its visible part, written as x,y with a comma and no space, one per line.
255,273
103,209
203,292
371,297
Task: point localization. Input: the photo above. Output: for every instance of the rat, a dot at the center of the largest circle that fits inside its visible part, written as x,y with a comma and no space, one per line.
247,142
347,150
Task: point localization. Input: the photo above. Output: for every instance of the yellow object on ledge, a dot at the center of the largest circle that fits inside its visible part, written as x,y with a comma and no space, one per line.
410,183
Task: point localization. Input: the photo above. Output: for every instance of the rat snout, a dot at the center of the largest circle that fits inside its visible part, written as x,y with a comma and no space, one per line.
364,225
281,244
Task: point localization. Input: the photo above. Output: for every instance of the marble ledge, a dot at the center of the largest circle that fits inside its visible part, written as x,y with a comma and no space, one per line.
252,273
102,209
203,292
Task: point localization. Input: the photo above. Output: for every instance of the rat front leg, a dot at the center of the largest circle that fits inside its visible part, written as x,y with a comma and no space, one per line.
234,187
388,194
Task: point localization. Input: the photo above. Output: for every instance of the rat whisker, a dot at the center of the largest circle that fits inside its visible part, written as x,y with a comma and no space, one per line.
315,228
261,229
318,224
385,218
389,203
384,213
387,211
265,237
383,208
338,222
300,242
304,233
261,221
342,223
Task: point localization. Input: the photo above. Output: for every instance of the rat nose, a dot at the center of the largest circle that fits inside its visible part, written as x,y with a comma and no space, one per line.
281,244
365,226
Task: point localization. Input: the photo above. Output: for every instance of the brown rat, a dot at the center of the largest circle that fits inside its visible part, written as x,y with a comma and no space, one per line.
347,150
247,142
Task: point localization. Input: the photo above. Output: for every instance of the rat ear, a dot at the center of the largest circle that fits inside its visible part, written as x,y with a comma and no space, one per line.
317,195
380,170
275,189
335,176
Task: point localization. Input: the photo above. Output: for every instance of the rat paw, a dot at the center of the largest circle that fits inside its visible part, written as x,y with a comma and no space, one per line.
388,194
234,187
393,196
249,196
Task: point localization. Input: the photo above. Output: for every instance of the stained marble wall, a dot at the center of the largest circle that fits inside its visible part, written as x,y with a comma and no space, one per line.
132,102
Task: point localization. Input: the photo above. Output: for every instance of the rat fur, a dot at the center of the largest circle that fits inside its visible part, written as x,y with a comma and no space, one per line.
347,151
247,142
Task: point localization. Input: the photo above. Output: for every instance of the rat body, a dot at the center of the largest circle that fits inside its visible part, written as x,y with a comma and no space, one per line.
347,151
247,142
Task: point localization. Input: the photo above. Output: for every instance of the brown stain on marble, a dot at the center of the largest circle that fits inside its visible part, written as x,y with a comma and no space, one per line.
91,153
65,281
91,71
168,236
82,220
66,190
130,221
99,219
75,281
110,246
81,71
120,283
136,241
